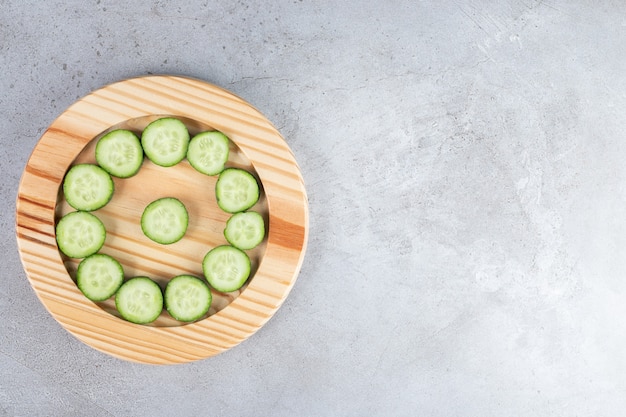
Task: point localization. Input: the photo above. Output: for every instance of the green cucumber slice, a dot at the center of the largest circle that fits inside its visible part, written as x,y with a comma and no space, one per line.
87,187
187,298
80,234
139,300
226,268
119,152
236,190
208,152
245,230
99,276
165,220
165,141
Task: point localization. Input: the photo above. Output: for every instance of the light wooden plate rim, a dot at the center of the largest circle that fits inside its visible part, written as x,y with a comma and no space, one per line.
139,97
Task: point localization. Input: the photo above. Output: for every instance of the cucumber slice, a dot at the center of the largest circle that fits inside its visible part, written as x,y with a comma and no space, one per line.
119,153
236,190
165,141
80,234
87,187
187,298
165,220
99,276
226,268
245,230
208,152
139,300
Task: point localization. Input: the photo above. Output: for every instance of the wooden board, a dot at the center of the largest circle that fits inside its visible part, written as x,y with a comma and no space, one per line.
256,146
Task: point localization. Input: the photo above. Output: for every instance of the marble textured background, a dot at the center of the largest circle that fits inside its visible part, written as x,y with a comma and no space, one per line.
464,162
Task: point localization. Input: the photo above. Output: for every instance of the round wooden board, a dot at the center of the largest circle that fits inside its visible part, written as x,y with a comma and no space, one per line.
257,147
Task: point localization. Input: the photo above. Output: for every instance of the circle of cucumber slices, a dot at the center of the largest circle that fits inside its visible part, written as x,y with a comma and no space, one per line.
208,152
120,153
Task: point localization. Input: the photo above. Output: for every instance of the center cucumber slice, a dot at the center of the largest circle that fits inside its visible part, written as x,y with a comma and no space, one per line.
165,220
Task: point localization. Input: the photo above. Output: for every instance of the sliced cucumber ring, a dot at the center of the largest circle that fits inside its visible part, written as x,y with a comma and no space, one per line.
87,187
99,276
236,190
245,230
208,152
80,234
165,220
226,268
139,300
165,141
187,298
119,152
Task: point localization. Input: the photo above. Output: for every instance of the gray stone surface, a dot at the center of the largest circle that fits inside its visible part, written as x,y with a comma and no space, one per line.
464,162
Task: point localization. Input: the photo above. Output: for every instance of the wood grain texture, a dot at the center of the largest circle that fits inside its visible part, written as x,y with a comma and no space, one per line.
257,147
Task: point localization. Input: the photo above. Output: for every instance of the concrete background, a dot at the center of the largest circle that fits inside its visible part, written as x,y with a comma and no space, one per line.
464,162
